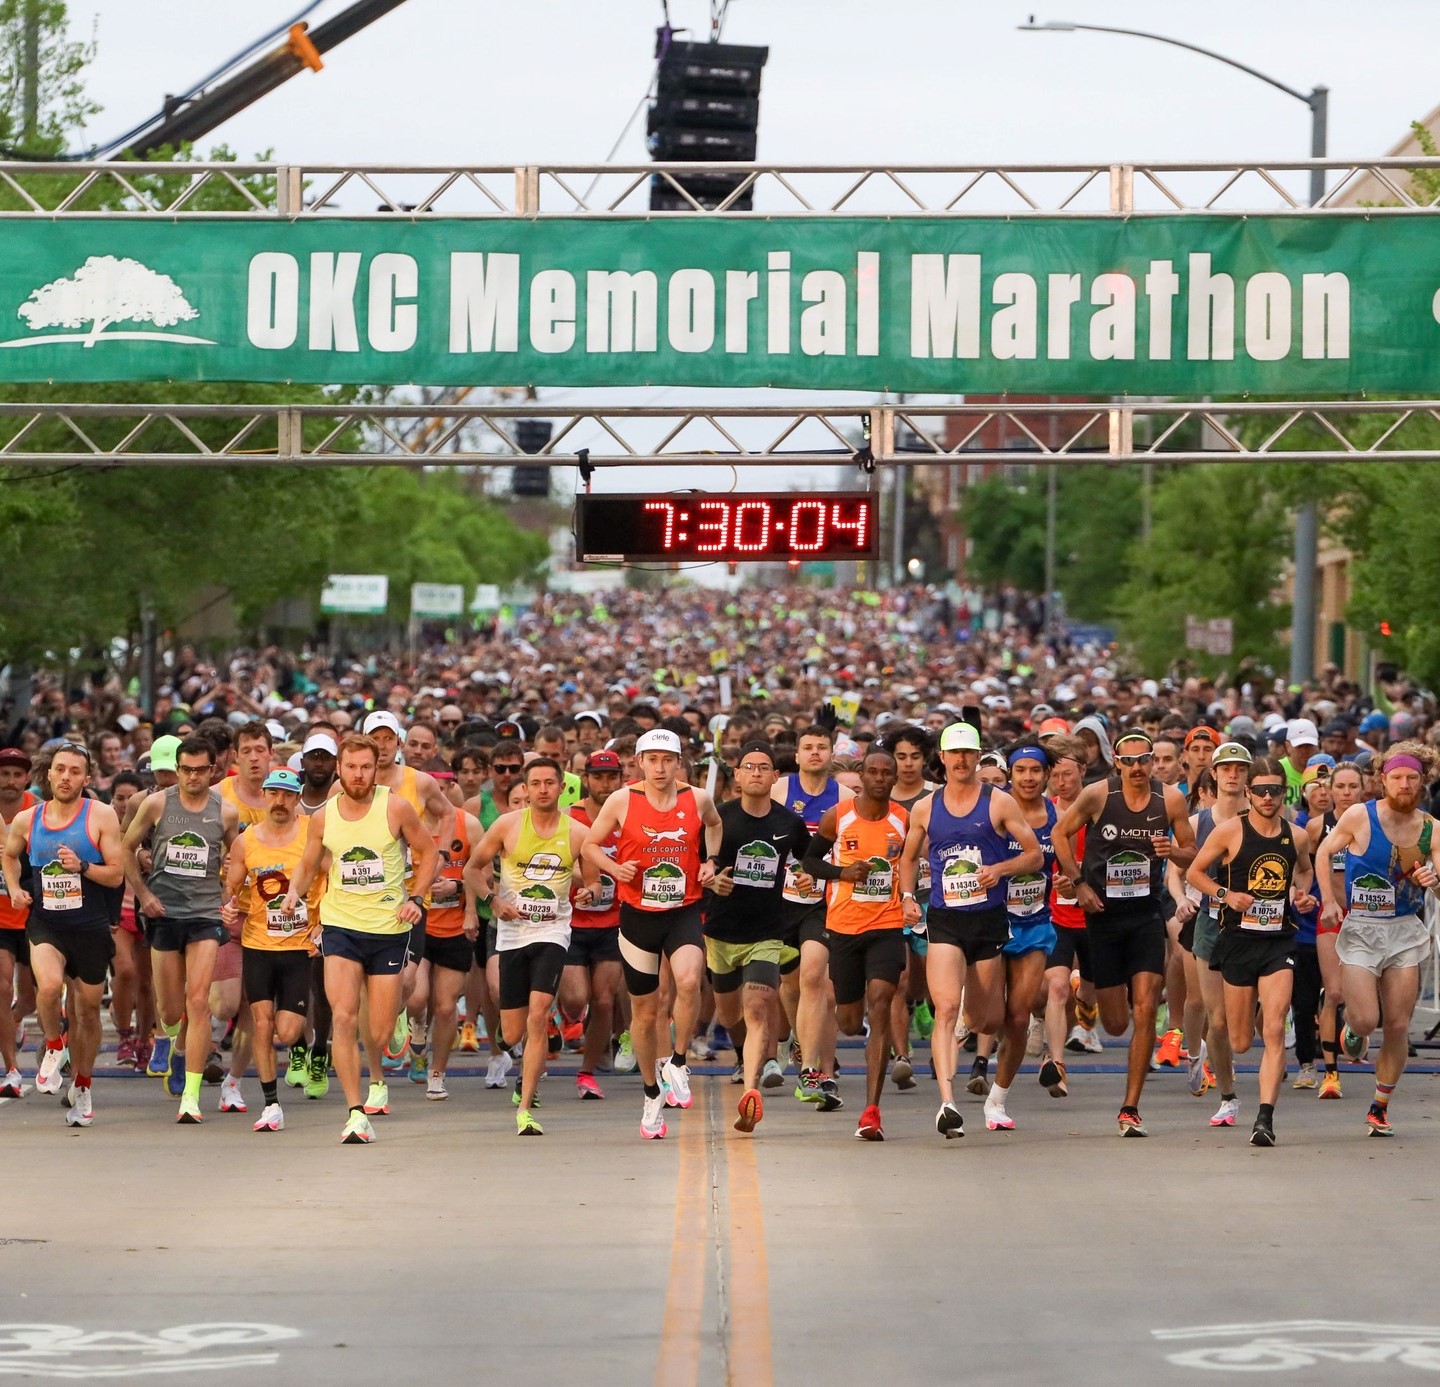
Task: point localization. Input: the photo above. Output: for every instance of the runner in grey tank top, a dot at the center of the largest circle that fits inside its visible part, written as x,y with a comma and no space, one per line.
188,849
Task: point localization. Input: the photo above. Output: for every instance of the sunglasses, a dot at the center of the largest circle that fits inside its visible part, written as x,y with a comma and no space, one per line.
1268,790
79,748
1140,758
449,722
507,767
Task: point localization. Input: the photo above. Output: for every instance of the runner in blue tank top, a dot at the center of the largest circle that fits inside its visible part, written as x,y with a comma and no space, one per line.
968,827
75,854
805,989
1394,859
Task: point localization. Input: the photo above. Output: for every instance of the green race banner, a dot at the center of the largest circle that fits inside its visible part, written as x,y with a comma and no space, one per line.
1184,305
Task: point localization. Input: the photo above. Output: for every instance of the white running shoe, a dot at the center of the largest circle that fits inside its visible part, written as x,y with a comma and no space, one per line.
1196,1078
12,1085
652,1118
996,1118
1075,1041
1226,1114
675,1082
772,1076
81,1113
271,1120
48,1078
1035,1039
435,1089
498,1070
231,1098
1091,1038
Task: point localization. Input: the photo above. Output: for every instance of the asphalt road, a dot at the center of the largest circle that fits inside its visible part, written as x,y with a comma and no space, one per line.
452,1251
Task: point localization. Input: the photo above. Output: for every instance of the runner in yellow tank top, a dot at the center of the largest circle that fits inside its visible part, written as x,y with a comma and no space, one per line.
366,916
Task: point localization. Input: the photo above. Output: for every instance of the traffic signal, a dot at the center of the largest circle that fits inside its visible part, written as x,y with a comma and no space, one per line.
706,110
531,436
1385,629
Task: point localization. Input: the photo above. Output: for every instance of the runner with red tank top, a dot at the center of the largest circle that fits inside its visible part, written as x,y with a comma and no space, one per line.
452,925
1071,953
668,838
14,951
593,975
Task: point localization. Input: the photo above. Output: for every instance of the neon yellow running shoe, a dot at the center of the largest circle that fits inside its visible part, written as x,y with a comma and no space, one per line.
526,1125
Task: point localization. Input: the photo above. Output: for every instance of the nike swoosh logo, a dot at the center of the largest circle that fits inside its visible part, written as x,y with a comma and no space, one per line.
778,837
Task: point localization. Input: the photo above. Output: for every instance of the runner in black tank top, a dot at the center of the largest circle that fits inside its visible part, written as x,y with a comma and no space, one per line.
1263,857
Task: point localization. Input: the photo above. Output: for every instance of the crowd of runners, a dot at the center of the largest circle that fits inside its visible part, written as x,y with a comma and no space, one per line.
645,828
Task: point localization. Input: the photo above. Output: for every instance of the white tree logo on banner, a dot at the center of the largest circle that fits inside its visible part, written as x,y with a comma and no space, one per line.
103,291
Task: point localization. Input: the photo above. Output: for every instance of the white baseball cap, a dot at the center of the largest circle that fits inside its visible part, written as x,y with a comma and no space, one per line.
658,739
960,736
382,718
1301,732
318,741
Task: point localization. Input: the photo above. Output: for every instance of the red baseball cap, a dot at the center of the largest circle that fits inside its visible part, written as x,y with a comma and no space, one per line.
1202,733
1053,727
602,761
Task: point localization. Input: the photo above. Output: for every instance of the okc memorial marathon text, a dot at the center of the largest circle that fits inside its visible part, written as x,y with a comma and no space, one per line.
954,311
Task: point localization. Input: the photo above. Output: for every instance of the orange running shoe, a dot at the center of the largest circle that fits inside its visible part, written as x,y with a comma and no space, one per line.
1330,1085
752,1109
1168,1051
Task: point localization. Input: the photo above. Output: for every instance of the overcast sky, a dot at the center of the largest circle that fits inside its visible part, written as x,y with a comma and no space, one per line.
897,81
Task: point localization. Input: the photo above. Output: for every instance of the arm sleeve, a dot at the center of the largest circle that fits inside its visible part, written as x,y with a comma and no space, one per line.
814,863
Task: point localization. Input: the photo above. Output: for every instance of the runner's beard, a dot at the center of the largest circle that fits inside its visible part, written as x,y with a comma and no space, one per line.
1404,801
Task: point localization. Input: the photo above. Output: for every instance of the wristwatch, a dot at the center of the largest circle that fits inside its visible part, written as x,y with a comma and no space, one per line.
1221,893
418,900
909,896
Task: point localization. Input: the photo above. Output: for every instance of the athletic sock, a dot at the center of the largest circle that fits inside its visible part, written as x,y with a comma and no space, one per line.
1382,1094
82,1081
998,1094
1227,1097
173,1032
57,1044
652,1090
1332,1064
357,1108
678,1060
269,1090
1267,1111
192,1085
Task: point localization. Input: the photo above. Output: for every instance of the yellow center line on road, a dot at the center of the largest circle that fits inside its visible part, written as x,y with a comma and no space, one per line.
750,1363
681,1330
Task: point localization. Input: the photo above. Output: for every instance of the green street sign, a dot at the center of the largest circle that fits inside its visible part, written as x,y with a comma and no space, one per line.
1301,305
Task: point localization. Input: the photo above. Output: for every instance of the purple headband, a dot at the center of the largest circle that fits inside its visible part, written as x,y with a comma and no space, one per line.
1403,762
1028,753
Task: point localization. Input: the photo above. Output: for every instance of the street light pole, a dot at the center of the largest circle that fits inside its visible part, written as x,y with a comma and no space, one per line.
1307,519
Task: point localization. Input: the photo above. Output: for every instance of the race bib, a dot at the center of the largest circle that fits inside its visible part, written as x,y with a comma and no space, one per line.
924,881
604,895
758,864
791,892
59,889
362,871
1025,895
662,887
959,883
187,855
1127,876
1373,894
280,923
538,904
1264,914
879,882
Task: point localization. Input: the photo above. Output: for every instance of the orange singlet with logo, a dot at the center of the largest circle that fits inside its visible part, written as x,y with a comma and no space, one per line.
446,921
10,916
874,903
665,845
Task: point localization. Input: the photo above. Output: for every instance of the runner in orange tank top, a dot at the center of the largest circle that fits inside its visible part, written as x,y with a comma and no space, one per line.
14,952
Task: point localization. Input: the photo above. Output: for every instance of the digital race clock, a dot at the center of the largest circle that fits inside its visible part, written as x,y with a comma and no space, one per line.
731,529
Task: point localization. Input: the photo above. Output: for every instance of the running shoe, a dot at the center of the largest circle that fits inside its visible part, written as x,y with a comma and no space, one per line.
808,1089
419,1034
318,1084
419,1070
81,1113
870,1128
391,1064
751,1110
970,1041
700,1051
1290,1030
1356,1047
1306,1078
358,1131
377,1100
624,1055
298,1070
1035,1037
1130,1124
143,1050
771,1075
435,1089
586,1087
830,1099
924,1020
720,1037
48,1078
675,1079
125,1051
1052,1077
469,1040
526,1125
554,1041
1075,1041
573,1033
1087,1014
1167,1053
175,1080
1330,1085
271,1119
515,1096
13,1085
979,1083
231,1098
996,1118
1378,1121
1195,1075
1226,1113
1263,1132
498,1070
400,1036
903,1072
189,1110
214,1071
158,1065
797,1058
737,1075
1093,1044
948,1122
652,1117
